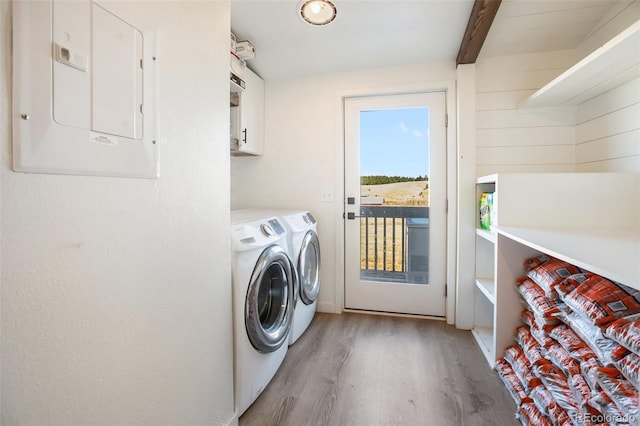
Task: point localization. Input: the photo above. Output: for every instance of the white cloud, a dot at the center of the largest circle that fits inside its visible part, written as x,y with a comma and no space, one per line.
416,133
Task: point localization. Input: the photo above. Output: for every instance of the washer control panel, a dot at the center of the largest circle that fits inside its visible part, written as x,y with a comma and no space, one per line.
276,226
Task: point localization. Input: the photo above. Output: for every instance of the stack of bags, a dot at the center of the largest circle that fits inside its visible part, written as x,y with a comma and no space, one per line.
577,357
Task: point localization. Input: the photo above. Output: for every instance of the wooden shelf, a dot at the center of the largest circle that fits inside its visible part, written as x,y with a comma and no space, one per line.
487,287
610,66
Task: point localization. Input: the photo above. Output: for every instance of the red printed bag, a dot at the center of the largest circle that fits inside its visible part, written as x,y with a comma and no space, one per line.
602,301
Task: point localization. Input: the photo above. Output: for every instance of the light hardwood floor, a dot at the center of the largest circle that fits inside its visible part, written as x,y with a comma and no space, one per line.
358,369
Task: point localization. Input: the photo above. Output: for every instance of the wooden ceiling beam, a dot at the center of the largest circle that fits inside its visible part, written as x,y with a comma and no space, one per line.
478,26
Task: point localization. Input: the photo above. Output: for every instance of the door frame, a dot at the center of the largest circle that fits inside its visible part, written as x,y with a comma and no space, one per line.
448,87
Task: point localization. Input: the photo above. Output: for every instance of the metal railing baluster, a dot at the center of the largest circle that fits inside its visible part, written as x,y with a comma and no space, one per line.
380,249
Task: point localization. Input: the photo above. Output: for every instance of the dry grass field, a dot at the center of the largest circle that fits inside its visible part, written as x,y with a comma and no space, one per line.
372,252
400,194
389,231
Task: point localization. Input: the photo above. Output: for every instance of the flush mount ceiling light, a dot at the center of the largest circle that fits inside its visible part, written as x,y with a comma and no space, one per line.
318,12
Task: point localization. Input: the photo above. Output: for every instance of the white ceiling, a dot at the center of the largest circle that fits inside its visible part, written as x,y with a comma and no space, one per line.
377,33
365,34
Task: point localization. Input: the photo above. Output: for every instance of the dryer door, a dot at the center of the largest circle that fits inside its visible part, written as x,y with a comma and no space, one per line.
309,268
269,301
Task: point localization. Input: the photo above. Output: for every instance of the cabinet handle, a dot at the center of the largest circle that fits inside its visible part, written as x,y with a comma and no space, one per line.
244,139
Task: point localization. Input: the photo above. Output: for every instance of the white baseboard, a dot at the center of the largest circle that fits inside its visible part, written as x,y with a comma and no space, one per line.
327,307
233,421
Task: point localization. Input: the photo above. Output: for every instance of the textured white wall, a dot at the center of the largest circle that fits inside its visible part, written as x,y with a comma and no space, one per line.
303,151
116,298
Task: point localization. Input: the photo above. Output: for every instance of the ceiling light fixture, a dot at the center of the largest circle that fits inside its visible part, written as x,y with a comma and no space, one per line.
318,12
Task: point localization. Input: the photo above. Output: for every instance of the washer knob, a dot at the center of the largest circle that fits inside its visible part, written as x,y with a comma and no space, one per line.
266,230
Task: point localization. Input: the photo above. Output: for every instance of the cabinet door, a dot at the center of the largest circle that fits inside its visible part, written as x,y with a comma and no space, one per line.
252,115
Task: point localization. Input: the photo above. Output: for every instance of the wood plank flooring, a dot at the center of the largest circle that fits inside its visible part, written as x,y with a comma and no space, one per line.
358,369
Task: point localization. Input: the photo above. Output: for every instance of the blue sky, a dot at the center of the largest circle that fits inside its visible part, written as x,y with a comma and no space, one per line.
394,142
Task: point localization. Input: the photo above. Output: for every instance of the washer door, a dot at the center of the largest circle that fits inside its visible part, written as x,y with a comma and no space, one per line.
309,268
269,302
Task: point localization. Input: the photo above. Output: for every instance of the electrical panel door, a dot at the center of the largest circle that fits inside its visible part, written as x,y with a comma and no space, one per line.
84,91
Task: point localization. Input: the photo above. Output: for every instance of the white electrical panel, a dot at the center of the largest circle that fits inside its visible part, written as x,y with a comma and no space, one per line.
84,91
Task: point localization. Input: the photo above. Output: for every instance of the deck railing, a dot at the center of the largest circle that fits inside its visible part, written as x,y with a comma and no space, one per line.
383,238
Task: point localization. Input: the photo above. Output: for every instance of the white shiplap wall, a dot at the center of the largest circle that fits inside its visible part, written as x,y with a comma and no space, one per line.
602,134
619,17
608,131
510,139
608,126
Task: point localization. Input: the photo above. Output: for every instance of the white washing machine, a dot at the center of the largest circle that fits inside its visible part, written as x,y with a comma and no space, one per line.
263,279
304,249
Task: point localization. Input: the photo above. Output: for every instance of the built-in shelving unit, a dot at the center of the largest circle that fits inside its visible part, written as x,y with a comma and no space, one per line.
613,64
614,253
487,235
591,220
487,287
483,327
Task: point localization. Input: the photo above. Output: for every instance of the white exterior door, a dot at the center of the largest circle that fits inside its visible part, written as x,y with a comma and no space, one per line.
395,206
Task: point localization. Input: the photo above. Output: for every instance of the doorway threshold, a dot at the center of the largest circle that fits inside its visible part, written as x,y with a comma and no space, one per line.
393,314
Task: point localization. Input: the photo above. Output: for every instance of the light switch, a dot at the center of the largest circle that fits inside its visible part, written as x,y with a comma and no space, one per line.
326,196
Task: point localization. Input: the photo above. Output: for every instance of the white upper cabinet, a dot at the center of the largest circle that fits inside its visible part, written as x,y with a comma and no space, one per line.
247,116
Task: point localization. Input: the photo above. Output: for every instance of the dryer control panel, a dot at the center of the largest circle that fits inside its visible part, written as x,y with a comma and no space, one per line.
308,217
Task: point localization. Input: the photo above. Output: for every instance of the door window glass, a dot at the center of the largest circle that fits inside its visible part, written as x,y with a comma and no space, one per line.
394,195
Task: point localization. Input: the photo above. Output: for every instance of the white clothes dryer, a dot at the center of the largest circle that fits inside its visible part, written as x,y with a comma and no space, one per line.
302,233
263,280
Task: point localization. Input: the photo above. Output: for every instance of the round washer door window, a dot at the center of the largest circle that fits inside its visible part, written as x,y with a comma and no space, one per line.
309,268
269,301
